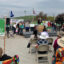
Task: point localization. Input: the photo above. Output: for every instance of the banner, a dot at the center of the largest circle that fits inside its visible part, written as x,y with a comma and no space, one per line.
2,27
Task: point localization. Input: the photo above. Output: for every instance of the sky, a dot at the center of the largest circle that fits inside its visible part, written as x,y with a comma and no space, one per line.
50,7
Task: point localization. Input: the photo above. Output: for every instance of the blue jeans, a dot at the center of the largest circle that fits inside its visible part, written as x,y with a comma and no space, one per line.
53,29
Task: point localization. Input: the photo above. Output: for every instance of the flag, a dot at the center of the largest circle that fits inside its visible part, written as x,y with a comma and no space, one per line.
11,14
34,11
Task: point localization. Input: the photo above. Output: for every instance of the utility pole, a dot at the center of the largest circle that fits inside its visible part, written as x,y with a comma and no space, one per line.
25,14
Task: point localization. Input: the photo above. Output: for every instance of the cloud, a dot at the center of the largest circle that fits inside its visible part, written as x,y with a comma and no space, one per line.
19,6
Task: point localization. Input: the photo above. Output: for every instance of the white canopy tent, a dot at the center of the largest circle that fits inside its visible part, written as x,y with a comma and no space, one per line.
16,21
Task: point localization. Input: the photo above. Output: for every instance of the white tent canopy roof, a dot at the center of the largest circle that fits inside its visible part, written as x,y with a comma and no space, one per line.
16,20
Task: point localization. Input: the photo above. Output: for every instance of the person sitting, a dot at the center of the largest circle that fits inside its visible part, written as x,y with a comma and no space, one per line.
3,56
33,37
8,59
59,56
42,41
42,38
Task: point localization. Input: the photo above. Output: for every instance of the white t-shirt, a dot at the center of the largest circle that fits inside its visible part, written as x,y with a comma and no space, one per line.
14,25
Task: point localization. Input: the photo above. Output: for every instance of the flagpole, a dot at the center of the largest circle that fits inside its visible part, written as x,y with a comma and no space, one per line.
33,15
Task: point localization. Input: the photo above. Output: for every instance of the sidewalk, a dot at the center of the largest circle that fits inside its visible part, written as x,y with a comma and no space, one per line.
18,45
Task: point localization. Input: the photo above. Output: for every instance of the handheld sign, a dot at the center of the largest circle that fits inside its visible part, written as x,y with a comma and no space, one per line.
2,27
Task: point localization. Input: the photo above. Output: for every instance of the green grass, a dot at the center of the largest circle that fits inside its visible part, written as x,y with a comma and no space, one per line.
25,17
30,18
34,22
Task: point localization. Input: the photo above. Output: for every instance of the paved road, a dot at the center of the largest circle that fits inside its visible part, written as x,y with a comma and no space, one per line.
18,45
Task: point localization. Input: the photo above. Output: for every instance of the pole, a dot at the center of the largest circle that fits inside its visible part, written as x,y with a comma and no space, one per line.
33,15
25,14
33,19
5,36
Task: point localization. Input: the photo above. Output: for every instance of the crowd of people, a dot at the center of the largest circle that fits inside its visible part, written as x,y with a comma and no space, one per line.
58,56
40,34
17,28
25,26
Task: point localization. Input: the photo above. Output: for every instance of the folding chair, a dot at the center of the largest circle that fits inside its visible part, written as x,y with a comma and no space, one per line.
50,42
42,51
33,42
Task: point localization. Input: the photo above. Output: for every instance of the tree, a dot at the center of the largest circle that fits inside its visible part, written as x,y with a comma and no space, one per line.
50,18
60,19
42,16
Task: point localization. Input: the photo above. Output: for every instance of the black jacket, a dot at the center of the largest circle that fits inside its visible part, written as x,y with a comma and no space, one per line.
5,57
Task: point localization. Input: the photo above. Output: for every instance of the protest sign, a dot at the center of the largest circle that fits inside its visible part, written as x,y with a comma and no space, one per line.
2,27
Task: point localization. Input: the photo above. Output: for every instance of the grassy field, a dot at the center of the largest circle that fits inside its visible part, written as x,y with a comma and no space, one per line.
25,17
30,18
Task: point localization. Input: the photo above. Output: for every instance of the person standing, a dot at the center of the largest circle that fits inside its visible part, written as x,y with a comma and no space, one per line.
39,20
7,29
14,28
55,45
21,26
27,26
58,58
